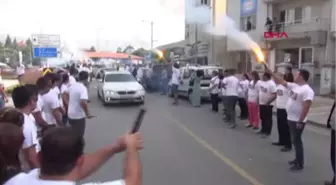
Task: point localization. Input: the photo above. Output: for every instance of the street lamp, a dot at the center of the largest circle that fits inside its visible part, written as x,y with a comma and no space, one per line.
151,32
98,37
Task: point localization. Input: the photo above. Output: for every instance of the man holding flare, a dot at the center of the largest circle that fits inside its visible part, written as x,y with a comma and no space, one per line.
300,99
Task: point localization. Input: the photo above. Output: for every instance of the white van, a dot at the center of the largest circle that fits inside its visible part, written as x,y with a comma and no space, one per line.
186,73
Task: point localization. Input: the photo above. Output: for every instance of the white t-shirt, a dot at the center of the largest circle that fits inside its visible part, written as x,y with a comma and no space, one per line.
85,69
29,132
72,80
214,82
297,95
30,139
20,70
64,89
39,106
282,97
243,87
231,85
77,92
50,103
253,92
32,178
266,89
176,76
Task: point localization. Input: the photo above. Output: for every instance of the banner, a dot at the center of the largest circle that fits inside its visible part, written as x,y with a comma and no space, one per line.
248,7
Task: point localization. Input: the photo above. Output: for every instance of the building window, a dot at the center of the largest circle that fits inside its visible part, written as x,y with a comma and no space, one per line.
306,55
205,2
248,23
296,15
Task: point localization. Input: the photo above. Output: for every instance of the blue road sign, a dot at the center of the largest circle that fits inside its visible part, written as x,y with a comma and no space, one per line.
45,52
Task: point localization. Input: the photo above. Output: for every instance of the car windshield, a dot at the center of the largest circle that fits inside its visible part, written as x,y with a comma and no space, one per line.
119,78
208,73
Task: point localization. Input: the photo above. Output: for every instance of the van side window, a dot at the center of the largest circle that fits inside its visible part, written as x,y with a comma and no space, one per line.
186,73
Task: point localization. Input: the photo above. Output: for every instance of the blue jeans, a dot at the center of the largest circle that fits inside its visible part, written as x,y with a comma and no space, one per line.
2,103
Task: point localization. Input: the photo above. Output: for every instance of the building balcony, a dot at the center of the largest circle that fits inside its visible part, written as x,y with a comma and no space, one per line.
315,29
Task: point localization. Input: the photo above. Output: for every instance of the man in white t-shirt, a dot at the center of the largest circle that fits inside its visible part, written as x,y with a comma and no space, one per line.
86,69
78,109
214,90
231,83
267,94
175,80
25,101
51,106
242,96
282,123
63,161
20,71
37,114
301,96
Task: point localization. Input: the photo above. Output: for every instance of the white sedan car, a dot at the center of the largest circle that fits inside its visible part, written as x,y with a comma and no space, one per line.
120,87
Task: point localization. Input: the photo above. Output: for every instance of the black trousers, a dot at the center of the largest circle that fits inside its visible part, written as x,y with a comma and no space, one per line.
283,128
214,101
332,152
78,126
266,118
243,107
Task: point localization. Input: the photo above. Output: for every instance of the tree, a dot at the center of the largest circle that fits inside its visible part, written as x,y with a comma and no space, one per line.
92,49
141,52
119,50
8,42
129,49
14,44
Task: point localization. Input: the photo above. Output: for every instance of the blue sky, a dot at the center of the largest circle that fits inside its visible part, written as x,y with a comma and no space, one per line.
81,22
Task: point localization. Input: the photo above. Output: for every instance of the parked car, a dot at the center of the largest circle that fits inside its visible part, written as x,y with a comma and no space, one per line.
120,87
7,72
186,73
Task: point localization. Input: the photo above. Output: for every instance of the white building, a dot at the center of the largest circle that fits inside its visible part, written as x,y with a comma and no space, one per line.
197,41
309,24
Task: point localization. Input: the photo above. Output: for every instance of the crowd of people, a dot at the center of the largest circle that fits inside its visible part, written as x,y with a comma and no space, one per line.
42,136
290,95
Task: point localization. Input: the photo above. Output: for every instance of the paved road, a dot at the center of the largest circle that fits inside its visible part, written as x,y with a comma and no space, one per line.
192,146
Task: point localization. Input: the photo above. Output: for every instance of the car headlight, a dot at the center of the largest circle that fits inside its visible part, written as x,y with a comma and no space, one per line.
109,92
141,91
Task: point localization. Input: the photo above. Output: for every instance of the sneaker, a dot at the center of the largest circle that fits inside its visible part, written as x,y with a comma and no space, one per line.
248,125
260,132
292,162
285,149
296,168
264,136
232,126
255,128
277,144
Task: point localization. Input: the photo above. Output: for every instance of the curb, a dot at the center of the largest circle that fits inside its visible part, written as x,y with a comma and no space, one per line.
314,123
317,124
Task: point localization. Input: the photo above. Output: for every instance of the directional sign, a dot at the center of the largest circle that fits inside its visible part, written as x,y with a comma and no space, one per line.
46,46
42,40
45,52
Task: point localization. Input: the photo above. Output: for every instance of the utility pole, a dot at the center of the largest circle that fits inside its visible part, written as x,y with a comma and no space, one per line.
152,34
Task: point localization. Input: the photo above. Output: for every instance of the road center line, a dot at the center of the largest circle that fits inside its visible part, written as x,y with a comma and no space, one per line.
215,152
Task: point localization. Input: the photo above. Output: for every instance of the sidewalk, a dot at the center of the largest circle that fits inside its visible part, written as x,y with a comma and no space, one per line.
319,112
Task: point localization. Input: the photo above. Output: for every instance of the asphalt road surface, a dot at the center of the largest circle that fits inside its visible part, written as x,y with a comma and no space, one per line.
192,146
